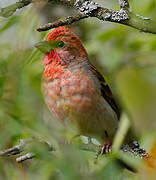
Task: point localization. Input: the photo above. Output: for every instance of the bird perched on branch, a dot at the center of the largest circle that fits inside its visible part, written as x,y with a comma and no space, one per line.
75,92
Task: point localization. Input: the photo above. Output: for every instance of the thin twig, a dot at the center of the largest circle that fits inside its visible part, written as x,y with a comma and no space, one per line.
62,22
22,147
14,150
11,9
25,157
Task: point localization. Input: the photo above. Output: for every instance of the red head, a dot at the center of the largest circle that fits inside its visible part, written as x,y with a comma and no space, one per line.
67,47
59,32
64,48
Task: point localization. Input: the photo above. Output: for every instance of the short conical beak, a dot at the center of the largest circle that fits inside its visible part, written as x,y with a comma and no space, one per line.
45,46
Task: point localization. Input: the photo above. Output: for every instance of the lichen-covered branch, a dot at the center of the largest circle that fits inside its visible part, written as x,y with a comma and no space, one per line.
89,8
123,3
141,23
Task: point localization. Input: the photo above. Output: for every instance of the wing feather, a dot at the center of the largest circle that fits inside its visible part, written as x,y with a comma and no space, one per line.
106,92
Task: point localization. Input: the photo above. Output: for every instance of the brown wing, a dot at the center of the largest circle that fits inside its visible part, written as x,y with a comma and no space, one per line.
106,92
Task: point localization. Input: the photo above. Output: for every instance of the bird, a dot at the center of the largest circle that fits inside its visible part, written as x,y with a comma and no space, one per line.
75,92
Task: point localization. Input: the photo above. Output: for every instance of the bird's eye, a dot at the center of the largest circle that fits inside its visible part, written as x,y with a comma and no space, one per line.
60,44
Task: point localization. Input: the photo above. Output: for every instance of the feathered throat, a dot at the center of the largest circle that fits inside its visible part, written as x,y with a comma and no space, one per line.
53,65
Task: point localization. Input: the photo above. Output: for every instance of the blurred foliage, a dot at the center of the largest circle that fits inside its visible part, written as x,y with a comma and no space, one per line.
124,55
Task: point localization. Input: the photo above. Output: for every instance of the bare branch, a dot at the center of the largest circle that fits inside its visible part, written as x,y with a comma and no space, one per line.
62,22
25,157
10,10
22,147
14,150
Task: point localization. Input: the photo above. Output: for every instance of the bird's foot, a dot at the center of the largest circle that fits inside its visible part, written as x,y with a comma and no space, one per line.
106,148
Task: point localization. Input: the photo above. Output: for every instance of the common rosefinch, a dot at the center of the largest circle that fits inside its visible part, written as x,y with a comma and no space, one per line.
75,92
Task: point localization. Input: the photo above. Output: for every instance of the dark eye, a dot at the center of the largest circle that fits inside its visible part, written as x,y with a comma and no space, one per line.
61,44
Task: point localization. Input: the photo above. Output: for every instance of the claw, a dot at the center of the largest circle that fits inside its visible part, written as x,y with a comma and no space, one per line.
106,148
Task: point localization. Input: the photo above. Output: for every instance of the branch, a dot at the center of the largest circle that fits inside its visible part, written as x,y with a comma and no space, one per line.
25,157
10,10
62,22
14,150
88,8
135,149
19,150
23,147
124,4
